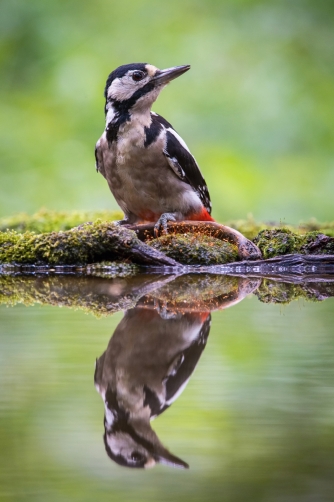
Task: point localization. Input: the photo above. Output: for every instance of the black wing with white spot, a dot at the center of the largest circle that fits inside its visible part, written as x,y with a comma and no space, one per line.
175,382
183,163
188,361
99,159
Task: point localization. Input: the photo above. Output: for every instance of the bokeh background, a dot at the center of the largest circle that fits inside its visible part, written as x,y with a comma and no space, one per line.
256,108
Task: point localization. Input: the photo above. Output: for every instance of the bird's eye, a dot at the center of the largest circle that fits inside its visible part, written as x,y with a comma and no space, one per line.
136,456
137,75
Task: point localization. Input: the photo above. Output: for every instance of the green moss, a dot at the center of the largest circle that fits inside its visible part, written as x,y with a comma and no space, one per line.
27,240
315,226
278,242
250,228
316,243
283,241
196,249
88,244
53,221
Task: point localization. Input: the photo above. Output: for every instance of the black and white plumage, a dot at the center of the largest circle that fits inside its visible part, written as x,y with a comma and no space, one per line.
148,167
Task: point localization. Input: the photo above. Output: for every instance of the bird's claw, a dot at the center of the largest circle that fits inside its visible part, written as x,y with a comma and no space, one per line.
161,224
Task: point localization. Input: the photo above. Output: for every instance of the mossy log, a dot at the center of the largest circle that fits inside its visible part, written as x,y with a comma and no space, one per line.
187,243
87,243
196,249
95,242
283,241
246,249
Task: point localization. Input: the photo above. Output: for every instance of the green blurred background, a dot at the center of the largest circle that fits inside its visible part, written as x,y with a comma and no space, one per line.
256,108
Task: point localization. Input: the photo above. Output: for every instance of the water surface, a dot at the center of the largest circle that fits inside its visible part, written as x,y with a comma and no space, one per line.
246,399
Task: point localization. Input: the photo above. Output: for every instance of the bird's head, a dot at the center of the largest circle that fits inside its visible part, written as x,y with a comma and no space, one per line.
138,85
141,448
128,437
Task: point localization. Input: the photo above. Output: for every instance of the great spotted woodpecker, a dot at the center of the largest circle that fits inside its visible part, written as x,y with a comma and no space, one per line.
148,167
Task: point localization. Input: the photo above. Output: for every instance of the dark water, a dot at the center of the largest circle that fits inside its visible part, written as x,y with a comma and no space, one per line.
242,389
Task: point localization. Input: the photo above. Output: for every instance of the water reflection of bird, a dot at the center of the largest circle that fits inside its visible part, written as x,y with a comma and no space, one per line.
147,364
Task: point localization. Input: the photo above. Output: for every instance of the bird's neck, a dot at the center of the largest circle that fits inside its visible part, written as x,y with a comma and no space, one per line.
141,117
118,113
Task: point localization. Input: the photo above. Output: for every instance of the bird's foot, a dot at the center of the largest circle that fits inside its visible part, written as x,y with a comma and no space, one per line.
161,224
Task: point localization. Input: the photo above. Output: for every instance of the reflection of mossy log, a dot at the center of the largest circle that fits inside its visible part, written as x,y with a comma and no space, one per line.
95,295
170,294
85,244
282,292
199,293
104,296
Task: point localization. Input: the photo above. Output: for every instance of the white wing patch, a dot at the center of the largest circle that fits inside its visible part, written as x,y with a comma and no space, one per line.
172,161
178,137
99,155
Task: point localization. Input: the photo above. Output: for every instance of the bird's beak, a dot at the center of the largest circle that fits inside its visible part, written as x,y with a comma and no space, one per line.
168,458
164,76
